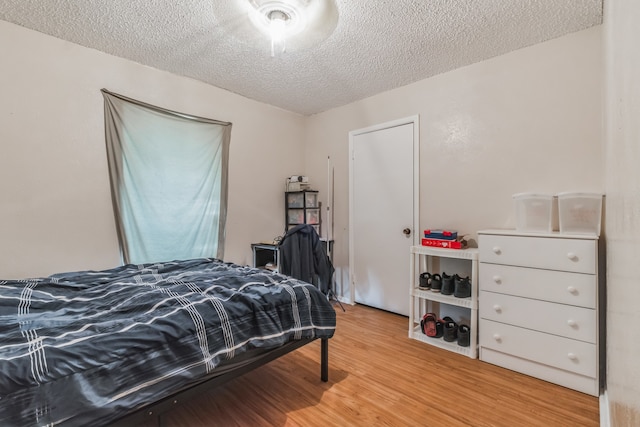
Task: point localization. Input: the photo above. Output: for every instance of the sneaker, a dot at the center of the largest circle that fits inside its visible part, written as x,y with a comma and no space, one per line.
464,336
448,284
425,281
436,282
462,287
450,329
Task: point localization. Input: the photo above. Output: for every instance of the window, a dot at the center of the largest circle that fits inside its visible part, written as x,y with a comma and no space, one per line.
168,175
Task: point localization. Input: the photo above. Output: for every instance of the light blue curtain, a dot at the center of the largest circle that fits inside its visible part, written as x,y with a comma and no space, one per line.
168,176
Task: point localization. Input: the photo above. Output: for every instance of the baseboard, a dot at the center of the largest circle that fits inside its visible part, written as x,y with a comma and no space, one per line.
605,418
345,300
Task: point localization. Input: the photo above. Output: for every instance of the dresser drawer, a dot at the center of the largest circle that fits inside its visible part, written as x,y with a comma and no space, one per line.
563,353
556,286
577,323
585,384
576,255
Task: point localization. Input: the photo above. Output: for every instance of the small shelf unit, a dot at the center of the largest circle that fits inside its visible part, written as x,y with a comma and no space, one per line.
425,258
302,207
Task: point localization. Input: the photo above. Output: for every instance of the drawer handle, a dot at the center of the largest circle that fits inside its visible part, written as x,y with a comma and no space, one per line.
572,256
497,279
497,337
572,323
497,250
572,290
497,308
572,356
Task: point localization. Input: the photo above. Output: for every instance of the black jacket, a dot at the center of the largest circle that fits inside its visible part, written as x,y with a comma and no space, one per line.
303,256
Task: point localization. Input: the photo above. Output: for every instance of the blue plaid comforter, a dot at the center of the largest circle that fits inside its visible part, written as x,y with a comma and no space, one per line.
85,348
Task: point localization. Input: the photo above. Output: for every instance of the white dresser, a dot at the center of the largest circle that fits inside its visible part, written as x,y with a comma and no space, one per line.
541,306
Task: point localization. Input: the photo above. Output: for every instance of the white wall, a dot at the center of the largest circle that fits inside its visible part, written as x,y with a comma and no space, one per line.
56,212
623,210
530,120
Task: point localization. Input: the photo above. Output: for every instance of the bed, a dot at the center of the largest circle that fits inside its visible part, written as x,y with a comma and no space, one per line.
104,347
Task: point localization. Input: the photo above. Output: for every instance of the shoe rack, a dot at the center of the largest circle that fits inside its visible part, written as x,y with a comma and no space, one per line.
435,260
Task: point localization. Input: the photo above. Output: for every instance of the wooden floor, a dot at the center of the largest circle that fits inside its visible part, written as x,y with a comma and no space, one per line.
380,377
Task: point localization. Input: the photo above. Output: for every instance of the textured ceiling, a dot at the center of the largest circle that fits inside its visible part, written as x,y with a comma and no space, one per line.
377,45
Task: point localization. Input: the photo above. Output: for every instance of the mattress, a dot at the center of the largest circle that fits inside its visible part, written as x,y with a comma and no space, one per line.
85,348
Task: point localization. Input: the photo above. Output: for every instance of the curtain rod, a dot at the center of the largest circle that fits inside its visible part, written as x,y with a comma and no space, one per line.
165,110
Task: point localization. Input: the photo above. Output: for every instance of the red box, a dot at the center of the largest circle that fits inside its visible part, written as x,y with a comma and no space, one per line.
437,243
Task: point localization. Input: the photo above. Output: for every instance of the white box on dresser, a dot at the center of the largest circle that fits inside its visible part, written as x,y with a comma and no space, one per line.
541,306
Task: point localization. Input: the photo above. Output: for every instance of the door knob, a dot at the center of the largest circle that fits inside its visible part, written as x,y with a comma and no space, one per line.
407,231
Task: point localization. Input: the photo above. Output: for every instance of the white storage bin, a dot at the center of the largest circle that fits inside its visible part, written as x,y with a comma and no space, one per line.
580,213
534,212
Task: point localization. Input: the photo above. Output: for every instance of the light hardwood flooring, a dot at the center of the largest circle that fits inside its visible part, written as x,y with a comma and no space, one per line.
380,377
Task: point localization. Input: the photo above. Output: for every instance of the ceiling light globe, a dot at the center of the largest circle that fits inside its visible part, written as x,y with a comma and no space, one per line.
277,24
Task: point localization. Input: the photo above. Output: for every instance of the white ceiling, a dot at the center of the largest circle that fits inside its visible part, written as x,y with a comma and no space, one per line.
377,45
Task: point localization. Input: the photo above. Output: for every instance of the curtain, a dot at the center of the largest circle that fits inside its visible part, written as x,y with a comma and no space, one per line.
168,174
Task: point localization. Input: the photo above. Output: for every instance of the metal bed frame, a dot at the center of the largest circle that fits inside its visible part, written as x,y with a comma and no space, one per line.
160,408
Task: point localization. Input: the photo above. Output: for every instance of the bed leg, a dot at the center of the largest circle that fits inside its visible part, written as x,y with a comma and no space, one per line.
162,422
324,359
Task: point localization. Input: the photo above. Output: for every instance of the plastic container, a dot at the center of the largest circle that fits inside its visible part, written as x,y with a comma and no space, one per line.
295,216
534,212
580,213
294,200
312,200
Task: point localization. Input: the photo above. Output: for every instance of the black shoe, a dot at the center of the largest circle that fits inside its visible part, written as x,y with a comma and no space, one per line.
450,329
462,287
464,336
439,328
448,285
436,282
425,281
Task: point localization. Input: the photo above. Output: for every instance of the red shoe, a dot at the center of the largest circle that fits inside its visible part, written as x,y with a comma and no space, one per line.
429,325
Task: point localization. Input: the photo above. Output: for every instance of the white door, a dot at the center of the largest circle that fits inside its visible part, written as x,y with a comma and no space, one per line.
383,213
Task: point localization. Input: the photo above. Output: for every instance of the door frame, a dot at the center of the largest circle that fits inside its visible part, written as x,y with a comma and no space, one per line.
415,121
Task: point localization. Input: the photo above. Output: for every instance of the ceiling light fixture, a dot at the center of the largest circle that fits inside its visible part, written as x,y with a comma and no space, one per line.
278,29
289,25
278,20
